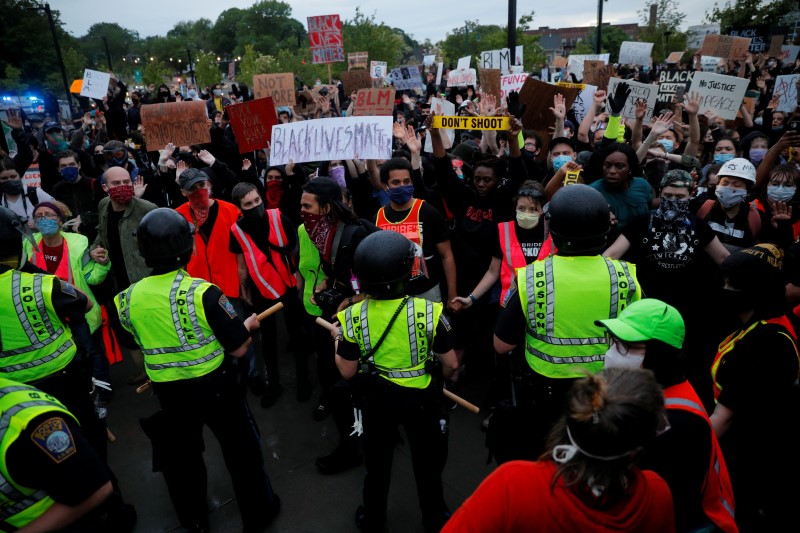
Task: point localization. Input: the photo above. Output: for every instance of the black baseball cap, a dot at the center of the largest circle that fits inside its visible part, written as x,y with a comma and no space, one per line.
190,176
52,125
560,140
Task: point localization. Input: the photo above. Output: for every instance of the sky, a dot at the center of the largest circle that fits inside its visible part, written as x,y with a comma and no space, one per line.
423,21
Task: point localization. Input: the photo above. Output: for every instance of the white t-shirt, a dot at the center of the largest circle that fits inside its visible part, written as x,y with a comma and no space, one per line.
22,204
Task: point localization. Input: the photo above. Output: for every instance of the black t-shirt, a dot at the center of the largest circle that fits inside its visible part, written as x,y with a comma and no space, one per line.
228,327
115,249
433,230
442,341
511,322
208,226
530,240
53,455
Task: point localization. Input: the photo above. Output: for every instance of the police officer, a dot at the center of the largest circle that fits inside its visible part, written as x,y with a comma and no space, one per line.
185,327
552,308
389,340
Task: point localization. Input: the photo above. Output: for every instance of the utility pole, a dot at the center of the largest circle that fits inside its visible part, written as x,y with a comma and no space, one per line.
46,9
599,44
108,54
191,65
512,26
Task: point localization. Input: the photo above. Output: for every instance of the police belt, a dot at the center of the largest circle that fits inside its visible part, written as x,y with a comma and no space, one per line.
370,369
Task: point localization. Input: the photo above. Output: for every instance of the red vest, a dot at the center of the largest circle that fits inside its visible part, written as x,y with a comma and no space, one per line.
64,271
272,275
409,228
213,261
717,490
513,258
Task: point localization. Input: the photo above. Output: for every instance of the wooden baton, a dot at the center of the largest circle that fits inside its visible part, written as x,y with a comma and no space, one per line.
111,438
454,397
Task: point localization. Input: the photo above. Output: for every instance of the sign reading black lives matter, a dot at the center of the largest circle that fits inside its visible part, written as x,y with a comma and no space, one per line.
670,81
722,95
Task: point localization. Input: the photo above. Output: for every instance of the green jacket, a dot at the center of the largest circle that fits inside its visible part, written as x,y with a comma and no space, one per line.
136,210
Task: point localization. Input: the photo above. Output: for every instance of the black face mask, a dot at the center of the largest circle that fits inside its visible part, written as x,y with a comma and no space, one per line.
11,187
99,160
254,213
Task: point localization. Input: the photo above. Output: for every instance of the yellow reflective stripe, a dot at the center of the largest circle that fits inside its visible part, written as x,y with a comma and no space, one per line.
563,360
631,282
399,374
614,302
412,332
183,364
31,364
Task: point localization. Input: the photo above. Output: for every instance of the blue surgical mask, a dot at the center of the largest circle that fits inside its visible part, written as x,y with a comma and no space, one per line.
729,197
47,227
721,159
401,195
70,174
667,144
780,193
757,155
560,161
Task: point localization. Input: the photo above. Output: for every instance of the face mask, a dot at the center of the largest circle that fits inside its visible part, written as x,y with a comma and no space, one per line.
401,195
47,227
199,198
163,94
118,162
721,159
614,359
667,144
527,220
55,142
337,175
192,93
99,160
672,209
560,161
11,187
121,194
526,152
780,193
730,197
274,193
757,155
217,92
134,101
254,213
70,174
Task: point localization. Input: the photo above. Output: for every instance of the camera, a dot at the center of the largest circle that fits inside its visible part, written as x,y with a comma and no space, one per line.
329,298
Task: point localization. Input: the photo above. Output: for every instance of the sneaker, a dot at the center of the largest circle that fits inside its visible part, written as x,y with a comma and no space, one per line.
320,412
137,378
271,395
303,391
338,461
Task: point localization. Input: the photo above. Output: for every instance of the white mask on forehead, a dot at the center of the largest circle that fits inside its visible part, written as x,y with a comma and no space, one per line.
614,359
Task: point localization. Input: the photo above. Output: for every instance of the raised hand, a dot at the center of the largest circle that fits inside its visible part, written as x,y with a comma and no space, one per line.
692,105
515,108
398,131
663,123
514,126
599,97
620,96
781,211
413,143
206,157
488,104
246,164
179,169
13,119
559,108
139,186
640,109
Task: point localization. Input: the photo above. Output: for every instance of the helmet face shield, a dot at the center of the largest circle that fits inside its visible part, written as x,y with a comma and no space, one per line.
12,230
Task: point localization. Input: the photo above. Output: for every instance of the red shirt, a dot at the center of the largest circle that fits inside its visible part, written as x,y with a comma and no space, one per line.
52,256
517,497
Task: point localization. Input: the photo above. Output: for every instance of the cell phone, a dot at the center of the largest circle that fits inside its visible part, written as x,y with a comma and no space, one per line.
679,93
794,126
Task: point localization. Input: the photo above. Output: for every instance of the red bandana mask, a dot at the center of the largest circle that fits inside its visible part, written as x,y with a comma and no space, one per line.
320,230
198,200
274,193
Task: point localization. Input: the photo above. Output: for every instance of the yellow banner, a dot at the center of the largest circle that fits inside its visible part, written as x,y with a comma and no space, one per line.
471,123
580,86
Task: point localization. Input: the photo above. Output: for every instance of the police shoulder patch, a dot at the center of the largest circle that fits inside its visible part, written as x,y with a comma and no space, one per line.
54,438
66,288
227,306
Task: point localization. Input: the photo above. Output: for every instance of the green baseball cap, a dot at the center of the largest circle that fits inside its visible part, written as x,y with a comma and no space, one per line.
647,319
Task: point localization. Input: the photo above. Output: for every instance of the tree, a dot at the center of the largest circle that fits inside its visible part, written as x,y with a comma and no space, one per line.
612,38
749,12
122,43
364,34
197,32
668,20
206,70
154,73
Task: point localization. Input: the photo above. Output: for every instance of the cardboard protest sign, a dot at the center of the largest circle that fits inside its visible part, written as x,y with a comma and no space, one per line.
331,138
598,73
512,82
374,102
639,91
560,62
439,71
496,59
635,53
462,78
758,35
463,63
576,62
378,69
674,57
775,46
720,94
279,87
538,99
325,38
726,46
357,60
710,63
95,84
786,88
471,123
583,101
180,123
669,81
696,34
490,81
789,53
440,106
252,123
749,102
353,80
406,78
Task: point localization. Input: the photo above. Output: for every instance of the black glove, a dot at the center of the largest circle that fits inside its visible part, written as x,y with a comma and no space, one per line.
618,99
514,107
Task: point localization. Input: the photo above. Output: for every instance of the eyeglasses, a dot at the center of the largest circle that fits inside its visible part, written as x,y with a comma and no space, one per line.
49,216
531,193
622,347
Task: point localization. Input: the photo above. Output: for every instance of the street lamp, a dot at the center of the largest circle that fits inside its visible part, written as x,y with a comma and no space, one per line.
512,26
46,9
598,44
666,44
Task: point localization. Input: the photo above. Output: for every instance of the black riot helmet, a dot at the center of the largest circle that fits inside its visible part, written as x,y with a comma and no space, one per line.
12,230
383,262
165,239
579,220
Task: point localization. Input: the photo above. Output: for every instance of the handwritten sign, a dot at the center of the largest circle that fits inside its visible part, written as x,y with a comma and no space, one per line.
710,63
374,102
635,53
598,73
696,34
513,82
357,60
538,99
325,38
496,59
353,80
789,53
490,81
670,81
378,69
758,36
576,62
406,78
471,123
674,57
583,101
443,107
639,91
462,78
786,89
726,46
95,84
463,63
332,138
252,123
279,87
720,94
180,123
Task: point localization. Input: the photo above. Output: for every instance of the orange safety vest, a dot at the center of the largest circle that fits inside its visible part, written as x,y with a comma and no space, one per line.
272,275
728,344
64,270
718,503
409,228
213,261
513,258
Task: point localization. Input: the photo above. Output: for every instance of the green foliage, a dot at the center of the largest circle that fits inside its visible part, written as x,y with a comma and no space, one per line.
612,38
364,34
749,12
12,80
154,73
206,69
